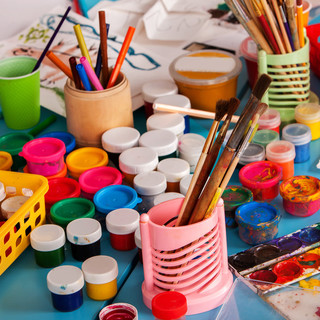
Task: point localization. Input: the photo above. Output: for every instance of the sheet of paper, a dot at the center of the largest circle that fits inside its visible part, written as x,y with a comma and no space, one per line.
190,5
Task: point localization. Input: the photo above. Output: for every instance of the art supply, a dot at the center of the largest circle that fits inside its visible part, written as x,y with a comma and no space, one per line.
61,174
11,205
83,77
65,284
301,195
122,224
270,120
58,63
100,275
75,74
299,11
84,235
103,47
253,153
185,184
292,23
262,178
265,136
163,197
90,73
48,243
5,161
67,138
120,310
166,121
137,241
249,51
82,43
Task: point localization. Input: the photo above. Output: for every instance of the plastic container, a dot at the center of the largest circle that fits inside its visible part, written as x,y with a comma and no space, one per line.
67,138
149,185
122,224
48,243
166,197
270,120
309,114
5,161
264,137
253,153
65,284
185,183
301,195
258,222
174,170
137,160
92,180
300,136
117,140
262,178
283,153
137,241
114,197
11,205
84,234
119,311
44,156
100,275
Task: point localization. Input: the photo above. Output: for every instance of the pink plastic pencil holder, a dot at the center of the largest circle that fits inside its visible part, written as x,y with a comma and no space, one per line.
189,259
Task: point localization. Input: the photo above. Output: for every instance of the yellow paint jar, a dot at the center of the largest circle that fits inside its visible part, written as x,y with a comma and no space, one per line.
5,161
206,76
309,114
100,274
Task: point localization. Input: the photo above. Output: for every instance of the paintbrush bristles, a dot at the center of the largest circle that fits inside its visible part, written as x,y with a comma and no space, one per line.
233,106
221,109
299,2
261,86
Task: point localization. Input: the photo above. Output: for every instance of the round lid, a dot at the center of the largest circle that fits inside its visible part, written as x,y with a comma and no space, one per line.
253,152
233,196
270,119
191,143
166,196
122,221
169,305
118,139
61,188
185,183
5,160
100,269
137,238
174,169
248,49
47,237
265,136
150,183
65,280
157,88
97,178
173,122
13,142
177,100
162,141
84,231
2,191
137,160
86,158
280,151
296,133
114,197
67,138
13,204
309,112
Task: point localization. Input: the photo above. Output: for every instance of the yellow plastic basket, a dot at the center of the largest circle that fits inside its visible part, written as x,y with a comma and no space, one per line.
15,232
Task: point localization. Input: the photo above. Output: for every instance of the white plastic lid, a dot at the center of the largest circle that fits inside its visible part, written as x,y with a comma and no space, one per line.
150,183
280,151
47,237
269,119
191,143
137,238
155,89
307,112
166,196
174,169
65,280
177,100
118,139
100,269
164,142
185,183
84,231
137,160
122,221
173,122
2,191
296,133
253,152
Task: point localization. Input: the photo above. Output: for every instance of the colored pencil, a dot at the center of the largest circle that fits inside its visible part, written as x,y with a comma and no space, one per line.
300,23
90,73
103,48
75,74
82,43
83,76
63,67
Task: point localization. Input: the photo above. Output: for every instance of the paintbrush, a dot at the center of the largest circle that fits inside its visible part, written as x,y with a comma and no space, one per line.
300,23
292,23
225,159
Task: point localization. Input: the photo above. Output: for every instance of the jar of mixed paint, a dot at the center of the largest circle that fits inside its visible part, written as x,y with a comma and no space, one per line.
300,136
262,178
137,160
264,137
100,275
148,185
65,284
67,138
174,170
48,243
283,153
5,161
301,195
117,140
119,311
122,224
270,120
84,235
167,196
309,114
185,183
253,153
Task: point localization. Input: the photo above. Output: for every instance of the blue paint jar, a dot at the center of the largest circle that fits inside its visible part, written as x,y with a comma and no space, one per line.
65,284
300,135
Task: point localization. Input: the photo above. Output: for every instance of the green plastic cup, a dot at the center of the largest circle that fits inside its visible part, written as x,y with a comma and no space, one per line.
20,92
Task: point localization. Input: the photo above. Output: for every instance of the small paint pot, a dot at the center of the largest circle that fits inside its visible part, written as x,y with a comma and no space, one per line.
5,161
65,284
92,180
85,158
287,271
264,137
163,142
243,261
301,195
67,210
270,120
264,275
44,156
174,170
309,260
262,178
114,197
309,114
67,138
137,241
253,153
300,136
11,205
84,234
310,235
122,224
167,196
61,174
185,183
117,140
100,275
258,222
119,311
266,252
289,244
137,160
48,242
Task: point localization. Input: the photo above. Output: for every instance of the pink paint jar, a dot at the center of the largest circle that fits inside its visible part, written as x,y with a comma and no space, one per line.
262,178
270,120
44,156
118,311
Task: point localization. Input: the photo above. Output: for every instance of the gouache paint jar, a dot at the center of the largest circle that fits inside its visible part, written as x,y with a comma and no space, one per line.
249,51
185,183
61,174
309,114
5,161
167,196
67,138
119,311
253,153
264,137
270,120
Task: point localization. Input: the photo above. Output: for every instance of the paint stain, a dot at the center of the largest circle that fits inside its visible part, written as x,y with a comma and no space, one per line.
266,252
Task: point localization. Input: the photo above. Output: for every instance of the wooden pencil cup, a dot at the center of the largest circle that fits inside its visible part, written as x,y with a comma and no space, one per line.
91,113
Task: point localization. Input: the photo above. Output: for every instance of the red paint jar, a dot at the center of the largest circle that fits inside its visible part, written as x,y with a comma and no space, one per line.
118,311
270,120
287,271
